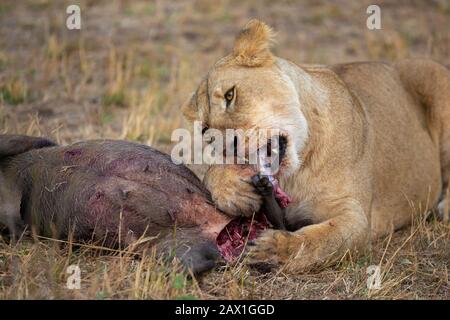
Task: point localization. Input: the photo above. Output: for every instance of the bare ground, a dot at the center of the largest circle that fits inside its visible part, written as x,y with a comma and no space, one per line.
125,75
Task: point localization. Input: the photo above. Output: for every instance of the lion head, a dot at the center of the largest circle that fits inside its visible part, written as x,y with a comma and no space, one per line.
251,89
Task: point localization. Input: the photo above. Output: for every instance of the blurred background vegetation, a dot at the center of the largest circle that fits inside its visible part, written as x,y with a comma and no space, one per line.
133,63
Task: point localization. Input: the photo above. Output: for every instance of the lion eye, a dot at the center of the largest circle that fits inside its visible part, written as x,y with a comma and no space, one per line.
229,96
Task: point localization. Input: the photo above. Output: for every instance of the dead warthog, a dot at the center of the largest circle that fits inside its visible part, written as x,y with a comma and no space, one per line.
115,193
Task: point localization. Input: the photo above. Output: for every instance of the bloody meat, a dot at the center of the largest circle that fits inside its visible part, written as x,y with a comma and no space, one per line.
232,240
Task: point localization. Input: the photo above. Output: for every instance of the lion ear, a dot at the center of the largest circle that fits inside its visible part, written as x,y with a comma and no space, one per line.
252,45
197,105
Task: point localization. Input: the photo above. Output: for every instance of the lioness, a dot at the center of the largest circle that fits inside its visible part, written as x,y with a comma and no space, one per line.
364,143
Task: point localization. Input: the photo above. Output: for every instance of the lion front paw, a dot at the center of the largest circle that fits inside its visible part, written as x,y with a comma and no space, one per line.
271,247
278,248
232,190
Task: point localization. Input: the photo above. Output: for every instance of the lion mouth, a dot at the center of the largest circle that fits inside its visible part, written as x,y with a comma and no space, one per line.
282,197
232,240
282,146
272,160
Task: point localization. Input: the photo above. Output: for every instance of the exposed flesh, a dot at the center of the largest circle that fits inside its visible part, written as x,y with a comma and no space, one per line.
232,239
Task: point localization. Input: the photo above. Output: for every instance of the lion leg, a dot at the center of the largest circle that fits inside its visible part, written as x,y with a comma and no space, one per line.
314,244
274,213
443,114
430,81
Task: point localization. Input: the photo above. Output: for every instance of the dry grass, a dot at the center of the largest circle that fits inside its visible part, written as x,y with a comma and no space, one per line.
413,262
13,92
125,75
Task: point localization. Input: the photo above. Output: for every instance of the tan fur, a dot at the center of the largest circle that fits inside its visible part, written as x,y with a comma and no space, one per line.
252,45
367,143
